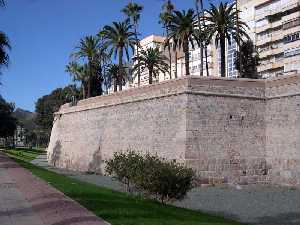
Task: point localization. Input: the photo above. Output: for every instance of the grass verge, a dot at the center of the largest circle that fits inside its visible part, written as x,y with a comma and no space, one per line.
25,154
120,208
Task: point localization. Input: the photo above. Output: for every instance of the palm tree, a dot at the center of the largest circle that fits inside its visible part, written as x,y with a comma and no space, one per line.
88,49
119,38
153,60
2,3
247,60
182,32
79,73
203,42
133,12
113,71
222,25
200,30
165,19
4,46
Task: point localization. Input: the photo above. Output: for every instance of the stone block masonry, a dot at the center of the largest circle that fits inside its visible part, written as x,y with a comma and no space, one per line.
229,130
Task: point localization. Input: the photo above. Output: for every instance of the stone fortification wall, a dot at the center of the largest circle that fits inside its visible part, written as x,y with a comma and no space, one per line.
228,130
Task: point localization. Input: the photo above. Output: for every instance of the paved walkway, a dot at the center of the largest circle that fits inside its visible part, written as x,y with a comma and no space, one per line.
259,205
27,200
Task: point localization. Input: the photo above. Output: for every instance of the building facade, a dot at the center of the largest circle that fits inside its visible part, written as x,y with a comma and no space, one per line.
275,30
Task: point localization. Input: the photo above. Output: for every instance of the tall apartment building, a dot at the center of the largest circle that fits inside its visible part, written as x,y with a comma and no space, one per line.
275,30
154,41
274,27
213,59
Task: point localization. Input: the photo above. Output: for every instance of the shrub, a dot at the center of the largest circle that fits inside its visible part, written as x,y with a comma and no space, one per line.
151,175
124,167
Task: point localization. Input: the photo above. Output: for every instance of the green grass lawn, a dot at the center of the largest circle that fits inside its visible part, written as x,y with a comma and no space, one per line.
25,154
120,208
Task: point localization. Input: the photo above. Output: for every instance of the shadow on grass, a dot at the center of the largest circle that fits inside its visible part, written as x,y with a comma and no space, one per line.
120,208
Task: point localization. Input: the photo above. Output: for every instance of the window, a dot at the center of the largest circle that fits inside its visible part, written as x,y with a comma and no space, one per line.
292,67
292,37
261,23
291,23
291,52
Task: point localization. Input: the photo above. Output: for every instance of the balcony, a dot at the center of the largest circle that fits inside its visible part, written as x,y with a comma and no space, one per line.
263,40
270,66
290,5
265,53
264,67
277,36
277,51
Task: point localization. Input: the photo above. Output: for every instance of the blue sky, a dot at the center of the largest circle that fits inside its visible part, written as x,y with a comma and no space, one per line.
43,33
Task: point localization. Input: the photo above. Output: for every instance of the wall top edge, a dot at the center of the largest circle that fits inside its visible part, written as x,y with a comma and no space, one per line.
252,88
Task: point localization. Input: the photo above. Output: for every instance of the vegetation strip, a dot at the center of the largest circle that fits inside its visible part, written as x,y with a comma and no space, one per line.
120,208
24,153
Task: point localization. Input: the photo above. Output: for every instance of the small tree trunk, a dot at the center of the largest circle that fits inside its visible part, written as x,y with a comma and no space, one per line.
89,87
206,62
201,44
83,90
176,73
138,54
150,76
186,57
115,84
223,56
90,77
120,77
170,55
205,46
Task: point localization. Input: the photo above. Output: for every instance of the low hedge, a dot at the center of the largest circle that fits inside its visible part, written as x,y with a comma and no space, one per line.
150,175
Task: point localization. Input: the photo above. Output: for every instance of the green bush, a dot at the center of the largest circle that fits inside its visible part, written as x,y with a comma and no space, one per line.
151,175
124,167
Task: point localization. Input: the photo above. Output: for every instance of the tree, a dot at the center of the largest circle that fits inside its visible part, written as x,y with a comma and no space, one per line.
4,46
113,71
2,3
119,39
247,60
152,60
79,73
200,31
47,105
133,12
8,123
182,32
89,49
165,20
223,26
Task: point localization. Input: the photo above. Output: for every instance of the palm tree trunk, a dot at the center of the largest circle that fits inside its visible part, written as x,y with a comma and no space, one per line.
206,61
89,80
120,77
205,46
176,64
116,84
186,57
138,54
223,56
150,76
201,44
83,90
89,87
170,55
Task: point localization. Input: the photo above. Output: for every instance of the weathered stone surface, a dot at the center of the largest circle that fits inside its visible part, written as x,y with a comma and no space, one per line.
228,130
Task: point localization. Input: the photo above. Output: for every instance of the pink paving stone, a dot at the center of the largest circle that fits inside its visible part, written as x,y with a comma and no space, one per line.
52,206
